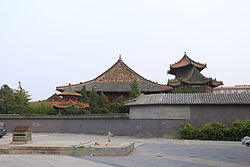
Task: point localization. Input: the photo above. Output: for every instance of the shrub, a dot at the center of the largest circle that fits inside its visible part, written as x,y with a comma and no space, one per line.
239,129
212,131
75,110
41,108
217,131
189,132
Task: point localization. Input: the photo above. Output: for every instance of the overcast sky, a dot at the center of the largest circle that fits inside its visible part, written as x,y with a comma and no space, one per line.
48,43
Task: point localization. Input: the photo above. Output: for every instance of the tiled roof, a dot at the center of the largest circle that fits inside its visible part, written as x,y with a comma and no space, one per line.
190,98
186,61
118,79
54,97
69,92
67,104
194,77
120,86
232,87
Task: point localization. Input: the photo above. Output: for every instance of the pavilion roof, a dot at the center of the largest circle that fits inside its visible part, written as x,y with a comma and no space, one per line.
54,97
69,92
68,104
194,77
185,61
117,79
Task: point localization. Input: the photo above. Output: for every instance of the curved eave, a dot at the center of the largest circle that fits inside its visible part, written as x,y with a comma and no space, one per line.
69,94
174,84
196,83
62,106
217,83
160,88
173,70
62,88
185,61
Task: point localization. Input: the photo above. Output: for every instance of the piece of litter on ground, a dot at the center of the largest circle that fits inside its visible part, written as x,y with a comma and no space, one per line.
73,145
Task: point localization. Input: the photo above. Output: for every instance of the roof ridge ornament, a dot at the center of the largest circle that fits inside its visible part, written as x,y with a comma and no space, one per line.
120,57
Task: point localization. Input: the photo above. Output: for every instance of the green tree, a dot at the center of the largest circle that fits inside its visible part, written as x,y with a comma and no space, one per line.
21,100
41,108
84,98
103,103
75,110
13,101
6,99
187,89
93,103
118,106
100,104
135,90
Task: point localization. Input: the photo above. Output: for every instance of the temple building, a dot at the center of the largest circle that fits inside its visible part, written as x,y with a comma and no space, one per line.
116,81
54,98
188,74
66,100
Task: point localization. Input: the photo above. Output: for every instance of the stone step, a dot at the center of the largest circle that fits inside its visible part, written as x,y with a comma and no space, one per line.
120,149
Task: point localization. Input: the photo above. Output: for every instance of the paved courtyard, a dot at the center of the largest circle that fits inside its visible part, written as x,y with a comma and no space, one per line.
153,152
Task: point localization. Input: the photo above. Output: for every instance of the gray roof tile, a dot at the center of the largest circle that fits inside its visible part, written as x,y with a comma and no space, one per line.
121,86
190,98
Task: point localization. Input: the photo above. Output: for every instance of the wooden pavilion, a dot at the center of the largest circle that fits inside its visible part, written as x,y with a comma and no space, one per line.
188,74
68,100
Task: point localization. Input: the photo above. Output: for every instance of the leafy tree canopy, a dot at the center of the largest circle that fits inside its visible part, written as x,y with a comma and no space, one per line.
100,104
13,101
135,90
188,89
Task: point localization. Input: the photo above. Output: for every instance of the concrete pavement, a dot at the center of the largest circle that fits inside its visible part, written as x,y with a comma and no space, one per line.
157,152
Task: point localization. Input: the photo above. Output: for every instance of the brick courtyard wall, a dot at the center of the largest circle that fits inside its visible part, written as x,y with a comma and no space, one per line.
119,124
144,121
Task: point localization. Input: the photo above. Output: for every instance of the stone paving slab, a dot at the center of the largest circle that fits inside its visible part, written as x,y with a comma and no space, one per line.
26,160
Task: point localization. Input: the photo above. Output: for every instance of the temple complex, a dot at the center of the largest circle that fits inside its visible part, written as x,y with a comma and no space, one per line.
66,100
116,81
188,74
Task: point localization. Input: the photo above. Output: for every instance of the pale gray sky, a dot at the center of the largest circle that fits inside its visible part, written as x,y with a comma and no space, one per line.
48,43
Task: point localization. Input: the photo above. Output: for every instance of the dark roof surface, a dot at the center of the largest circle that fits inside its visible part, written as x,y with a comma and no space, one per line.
120,86
54,96
117,79
194,77
190,98
186,61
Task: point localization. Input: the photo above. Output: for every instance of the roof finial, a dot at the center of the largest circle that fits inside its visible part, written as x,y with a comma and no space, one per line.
185,53
120,57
